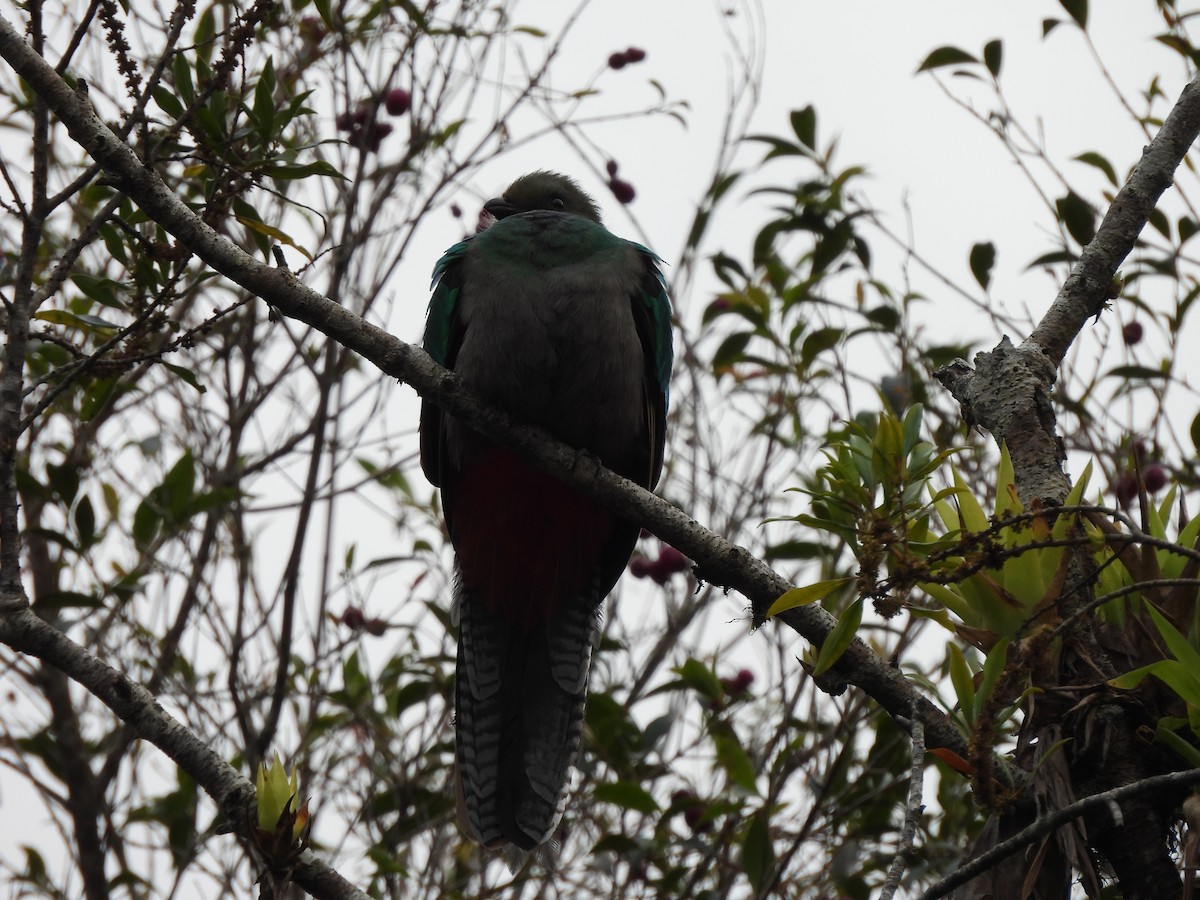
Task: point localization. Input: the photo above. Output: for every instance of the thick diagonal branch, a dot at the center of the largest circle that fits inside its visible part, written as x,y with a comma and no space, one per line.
720,561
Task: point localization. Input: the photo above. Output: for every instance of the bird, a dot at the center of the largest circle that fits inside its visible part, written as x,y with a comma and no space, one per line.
550,317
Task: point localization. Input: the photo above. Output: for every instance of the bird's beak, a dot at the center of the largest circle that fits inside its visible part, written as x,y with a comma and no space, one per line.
499,207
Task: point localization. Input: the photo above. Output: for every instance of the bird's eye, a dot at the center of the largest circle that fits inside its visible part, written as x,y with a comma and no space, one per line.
557,203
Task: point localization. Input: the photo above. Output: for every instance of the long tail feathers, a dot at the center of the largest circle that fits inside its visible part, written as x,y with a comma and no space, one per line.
519,719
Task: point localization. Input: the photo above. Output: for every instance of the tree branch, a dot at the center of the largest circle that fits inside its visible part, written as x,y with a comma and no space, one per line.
25,632
1106,800
720,561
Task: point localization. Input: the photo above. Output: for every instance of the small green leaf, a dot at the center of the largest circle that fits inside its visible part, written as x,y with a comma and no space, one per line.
963,682
167,102
1180,647
291,172
946,56
1145,372
187,375
983,257
699,678
1097,161
804,126
84,516
1077,9
731,350
626,795
840,638
802,596
758,854
69,599
733,759
993,53
1078,216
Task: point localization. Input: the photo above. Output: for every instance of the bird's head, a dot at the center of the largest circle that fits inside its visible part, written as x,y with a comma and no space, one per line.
544,190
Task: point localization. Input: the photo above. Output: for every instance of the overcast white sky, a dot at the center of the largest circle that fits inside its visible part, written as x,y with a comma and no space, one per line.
855,61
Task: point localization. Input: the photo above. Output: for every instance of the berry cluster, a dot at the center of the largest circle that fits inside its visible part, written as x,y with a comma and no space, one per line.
356,620
693,809
670,561
621,189
621,59
365,131
1153,476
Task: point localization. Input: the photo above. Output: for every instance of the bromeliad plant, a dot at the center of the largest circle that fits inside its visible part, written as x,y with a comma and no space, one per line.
997,582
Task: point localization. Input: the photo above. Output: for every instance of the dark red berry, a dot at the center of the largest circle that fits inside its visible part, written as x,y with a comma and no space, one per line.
611,168
617,61
456,210
694,816
312,29
1132,332
397,102
683,797
344,121
375,627
1126,488
622,190
639,567
352,617
1154,477
671,560
635,55
743,680
361,114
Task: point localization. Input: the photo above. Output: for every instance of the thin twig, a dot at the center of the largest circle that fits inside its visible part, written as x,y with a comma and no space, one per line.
912,814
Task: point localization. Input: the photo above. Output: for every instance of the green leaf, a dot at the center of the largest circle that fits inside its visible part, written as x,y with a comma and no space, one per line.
84,516
731,350
1180,647
804,126
1077,9
993,53
266,230
167,102
946,56
818,342
83,322
699,678
69,599
626,795
1195,432
963,682
993,668
187,375
1099,162
292,172
840,638
758,854
182,72
983,257
1128,372
802,596
733,759
1078,217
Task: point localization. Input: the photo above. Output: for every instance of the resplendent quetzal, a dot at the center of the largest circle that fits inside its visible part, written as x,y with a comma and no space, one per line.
554,319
